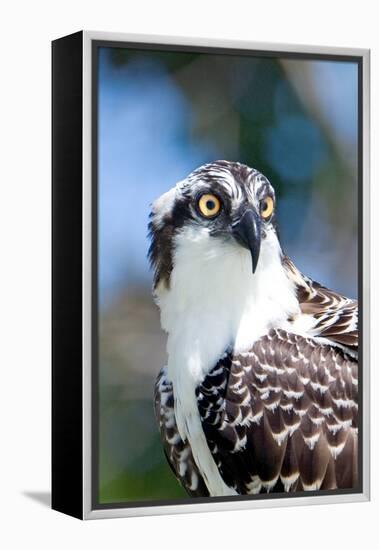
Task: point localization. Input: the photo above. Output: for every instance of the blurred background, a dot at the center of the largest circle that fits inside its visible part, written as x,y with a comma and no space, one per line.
160,115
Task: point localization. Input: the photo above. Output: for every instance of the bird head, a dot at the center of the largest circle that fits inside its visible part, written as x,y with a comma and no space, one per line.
221,202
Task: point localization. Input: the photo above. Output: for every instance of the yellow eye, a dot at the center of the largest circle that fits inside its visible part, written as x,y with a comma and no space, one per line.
209,205
267,207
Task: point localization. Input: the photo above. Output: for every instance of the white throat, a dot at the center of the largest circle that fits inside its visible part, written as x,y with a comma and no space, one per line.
215,302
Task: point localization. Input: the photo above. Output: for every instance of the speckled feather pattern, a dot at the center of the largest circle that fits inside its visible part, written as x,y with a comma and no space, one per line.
260,392
283,415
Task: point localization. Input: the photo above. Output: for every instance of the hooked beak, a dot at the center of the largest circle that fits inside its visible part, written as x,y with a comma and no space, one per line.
247,232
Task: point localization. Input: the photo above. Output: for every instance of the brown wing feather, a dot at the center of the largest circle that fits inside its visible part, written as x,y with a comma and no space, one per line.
287,417
336,316
178,453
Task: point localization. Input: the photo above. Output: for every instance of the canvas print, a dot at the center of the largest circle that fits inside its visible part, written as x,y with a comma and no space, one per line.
227,189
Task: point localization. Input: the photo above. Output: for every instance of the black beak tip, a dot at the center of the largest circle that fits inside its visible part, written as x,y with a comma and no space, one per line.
254,267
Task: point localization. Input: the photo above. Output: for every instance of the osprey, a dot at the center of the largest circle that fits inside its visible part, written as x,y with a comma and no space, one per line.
260,391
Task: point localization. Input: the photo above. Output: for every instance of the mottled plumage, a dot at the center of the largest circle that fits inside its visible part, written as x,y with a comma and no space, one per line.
277,412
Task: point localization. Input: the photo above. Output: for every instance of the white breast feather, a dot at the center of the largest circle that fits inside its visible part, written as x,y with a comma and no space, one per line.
215,301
